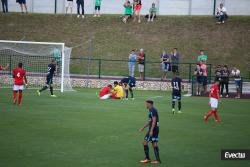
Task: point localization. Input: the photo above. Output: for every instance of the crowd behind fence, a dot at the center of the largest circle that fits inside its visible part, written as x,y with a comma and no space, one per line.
102,68
165,7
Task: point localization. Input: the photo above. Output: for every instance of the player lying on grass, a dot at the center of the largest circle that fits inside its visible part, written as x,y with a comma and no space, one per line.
152,134
19,74
117,92
214,100
105,92
129,83
49,78
176,92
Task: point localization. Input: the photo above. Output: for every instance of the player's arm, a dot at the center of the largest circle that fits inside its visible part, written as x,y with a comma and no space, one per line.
145,126
153,126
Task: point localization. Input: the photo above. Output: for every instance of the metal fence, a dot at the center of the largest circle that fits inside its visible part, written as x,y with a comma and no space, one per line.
102,68
166,7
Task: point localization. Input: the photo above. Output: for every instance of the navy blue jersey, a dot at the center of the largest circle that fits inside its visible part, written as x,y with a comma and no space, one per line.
153,113
51,70
131,81
176,85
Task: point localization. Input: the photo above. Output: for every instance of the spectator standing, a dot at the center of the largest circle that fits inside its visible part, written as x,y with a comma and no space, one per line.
69,6
221,13
175,60
218,74
225,73
131,63
5,6
80,4
165,64
22,4
198,72
128,11
202,57
137,10
204,69
238,82
152,13
98,8
141,63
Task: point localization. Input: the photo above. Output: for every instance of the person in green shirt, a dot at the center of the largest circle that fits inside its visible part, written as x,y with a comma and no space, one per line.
97,8
128,11
202,57
152,13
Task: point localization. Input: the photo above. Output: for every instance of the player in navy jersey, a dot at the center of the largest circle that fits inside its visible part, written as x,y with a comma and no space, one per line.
176,92
129,83
49,78
152,134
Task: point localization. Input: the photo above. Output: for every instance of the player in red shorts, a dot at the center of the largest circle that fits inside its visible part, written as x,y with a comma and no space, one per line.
19,74
214,100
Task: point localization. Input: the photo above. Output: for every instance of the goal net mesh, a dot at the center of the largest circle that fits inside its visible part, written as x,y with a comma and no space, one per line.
35,57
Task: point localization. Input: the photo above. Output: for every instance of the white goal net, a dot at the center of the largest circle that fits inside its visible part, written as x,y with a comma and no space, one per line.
35,57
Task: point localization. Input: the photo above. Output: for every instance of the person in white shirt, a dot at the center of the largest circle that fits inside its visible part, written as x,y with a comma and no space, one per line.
69,6
221,13
238,82
131,63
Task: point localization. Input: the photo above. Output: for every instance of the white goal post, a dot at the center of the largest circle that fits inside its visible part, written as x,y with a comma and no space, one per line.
35,57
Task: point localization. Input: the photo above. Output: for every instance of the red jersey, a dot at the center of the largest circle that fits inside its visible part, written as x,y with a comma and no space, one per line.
104,91
214,91
18,75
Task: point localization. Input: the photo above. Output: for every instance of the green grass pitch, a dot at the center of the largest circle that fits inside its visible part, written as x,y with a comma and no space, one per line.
76,129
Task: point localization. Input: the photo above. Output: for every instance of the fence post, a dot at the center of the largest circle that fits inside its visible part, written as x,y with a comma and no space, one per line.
190,71
99,69
55,6
214,7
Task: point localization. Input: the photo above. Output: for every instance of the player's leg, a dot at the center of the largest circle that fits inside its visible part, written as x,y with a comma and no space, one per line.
173,103
179,105
131,92
45,87
20,95
14,95
155,146
157,154
126,91
146,148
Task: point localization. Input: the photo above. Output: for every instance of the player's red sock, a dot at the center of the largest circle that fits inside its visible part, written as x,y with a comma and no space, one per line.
14,97
20,97
216,116
208,115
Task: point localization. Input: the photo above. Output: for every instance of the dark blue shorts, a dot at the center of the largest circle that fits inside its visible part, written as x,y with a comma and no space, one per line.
176,97
49,80
97,7
21,1
153,138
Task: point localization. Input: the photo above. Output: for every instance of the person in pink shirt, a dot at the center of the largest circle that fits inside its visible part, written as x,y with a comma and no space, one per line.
204,84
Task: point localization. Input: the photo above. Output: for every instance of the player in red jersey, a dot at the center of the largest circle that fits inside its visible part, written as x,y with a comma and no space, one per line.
214,100
105,92
19,74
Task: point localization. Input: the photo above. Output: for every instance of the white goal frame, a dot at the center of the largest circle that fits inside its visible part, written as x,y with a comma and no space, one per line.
45,43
